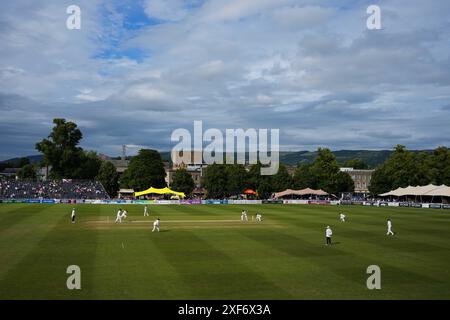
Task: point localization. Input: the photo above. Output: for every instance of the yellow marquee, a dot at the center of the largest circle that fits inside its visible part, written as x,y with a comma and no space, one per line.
159,191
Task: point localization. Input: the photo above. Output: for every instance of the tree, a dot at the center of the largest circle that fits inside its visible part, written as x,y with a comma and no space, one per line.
303,177
28,171
144,170
380,181
60,149
262,184
108,177
324,169
356,164
324,174
89,167
236,179
344,182
182,181
438,166
215,181
282,180
401,169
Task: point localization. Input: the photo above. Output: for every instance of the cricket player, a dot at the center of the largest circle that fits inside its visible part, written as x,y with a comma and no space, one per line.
124,214
146,211
244,216
156,225
328,234
389,227
342,217
73,215
119,216
258,217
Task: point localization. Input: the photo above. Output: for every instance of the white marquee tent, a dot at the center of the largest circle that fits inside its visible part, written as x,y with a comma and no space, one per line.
429,190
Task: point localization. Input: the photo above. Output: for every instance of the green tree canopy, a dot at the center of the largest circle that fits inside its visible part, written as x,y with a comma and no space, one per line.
303,177
108,177
355,164
282,180
216,181
438,164
28,171
325,168
60,149
323,173
144,171
237,178
89,166
343,182
401,169
262,184
182,181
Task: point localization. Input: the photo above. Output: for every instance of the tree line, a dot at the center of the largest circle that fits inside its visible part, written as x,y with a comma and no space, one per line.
61,152
222,181
67,160
404,168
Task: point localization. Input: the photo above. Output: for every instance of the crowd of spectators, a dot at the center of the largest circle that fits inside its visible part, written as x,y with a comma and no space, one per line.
52,189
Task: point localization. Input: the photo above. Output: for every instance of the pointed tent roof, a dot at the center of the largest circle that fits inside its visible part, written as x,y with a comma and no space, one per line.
428,190
443,191
301,192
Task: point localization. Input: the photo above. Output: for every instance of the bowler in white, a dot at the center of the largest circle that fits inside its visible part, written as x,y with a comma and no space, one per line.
389,227
119,216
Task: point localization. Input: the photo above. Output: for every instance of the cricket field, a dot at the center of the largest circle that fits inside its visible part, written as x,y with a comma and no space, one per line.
206,252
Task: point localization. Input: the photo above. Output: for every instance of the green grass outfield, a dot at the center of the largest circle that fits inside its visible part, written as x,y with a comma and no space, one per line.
205,252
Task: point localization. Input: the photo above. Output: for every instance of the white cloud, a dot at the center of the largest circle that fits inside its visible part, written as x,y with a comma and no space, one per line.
302,17
147,93
171,10
289,64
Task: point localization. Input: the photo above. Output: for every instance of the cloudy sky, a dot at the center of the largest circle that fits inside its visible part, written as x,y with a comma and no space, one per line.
137,70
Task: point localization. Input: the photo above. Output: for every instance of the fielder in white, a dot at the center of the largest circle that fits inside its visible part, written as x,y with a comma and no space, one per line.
73,215
145,211
342,217
328,234
389,227
156,225
119,216
258,217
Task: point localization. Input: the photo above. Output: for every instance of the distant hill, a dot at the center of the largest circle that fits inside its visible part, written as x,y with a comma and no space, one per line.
371,157
33,159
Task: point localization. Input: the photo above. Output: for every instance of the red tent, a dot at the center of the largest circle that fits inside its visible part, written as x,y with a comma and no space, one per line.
249,191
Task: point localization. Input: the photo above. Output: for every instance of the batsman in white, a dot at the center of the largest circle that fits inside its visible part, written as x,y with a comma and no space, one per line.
73,215
146,211
244,216
258,217
119,216
389,227
156,225
342,217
